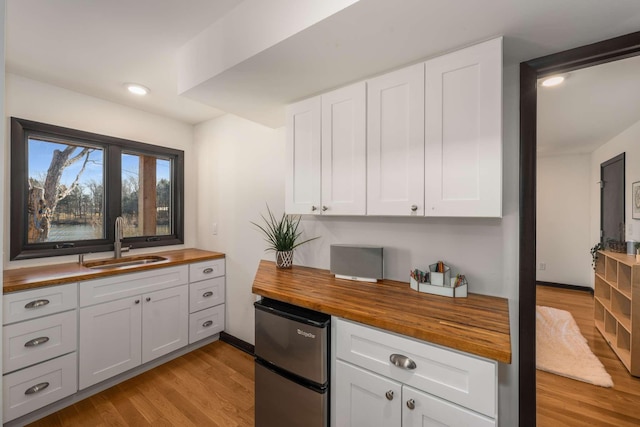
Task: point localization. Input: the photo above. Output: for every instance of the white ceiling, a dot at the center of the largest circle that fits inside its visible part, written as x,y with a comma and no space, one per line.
93,46
589,108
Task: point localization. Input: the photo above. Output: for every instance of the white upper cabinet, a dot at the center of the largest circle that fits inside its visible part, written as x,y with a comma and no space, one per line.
425,140
463,136
395,143
302,190
344,145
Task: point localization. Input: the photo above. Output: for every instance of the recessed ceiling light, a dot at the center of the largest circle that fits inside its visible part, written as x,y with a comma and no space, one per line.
552,81
136,88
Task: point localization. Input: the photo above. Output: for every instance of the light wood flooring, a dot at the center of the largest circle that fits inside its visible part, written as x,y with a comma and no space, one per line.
211,386
565,402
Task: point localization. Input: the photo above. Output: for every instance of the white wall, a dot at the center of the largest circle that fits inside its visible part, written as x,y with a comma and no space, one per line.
33,100
628,141
241,167
563,219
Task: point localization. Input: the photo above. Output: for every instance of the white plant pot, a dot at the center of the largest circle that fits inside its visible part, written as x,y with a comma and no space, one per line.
284,259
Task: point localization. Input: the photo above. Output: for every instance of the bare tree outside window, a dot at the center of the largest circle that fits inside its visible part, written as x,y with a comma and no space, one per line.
65,192
68,187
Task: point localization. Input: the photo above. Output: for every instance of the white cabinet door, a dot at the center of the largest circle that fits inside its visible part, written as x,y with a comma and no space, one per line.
302,189
109,339
421,409
463,140
395,143
366,399
344,145
165,322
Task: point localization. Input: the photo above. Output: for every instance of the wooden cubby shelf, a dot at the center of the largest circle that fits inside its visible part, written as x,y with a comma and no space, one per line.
617,285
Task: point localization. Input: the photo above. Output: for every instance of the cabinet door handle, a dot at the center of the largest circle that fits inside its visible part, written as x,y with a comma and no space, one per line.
207,323
411,404
313,208
137,301
148,299
402,361
207,270
37,303
389,395
207,294
414,208
36,388
324,208
36,341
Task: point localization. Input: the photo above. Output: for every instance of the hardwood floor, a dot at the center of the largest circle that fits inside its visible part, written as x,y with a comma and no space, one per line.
565,402
211,386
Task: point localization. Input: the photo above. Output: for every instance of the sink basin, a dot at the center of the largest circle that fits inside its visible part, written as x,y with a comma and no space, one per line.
123,262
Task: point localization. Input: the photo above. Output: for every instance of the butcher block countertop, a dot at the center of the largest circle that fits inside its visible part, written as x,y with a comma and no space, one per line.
20,279
477,324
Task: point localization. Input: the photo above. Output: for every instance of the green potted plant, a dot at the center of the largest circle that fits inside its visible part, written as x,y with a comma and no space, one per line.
282,235
594,253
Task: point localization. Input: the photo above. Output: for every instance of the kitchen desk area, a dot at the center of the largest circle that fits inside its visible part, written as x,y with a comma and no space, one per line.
398,356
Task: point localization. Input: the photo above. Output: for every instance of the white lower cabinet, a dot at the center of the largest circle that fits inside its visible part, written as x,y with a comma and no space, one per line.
422,409
165,322
366,399
384,379
123,321
39,348
110,336
205,323
120,335
206,299
30,389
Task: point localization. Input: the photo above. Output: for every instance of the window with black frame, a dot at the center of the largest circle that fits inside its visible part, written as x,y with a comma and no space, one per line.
69,186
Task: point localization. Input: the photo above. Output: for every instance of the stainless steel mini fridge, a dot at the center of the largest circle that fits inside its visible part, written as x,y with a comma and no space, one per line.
292,366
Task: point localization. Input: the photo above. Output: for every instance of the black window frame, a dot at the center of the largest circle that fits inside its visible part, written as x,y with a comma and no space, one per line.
113,147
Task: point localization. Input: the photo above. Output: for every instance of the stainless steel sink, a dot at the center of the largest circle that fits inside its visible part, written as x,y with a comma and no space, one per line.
123,262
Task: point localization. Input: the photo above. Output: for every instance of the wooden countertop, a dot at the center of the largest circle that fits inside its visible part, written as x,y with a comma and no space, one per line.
478,324
20,279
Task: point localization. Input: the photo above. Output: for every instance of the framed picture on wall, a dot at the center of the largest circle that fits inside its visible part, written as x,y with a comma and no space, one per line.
635,197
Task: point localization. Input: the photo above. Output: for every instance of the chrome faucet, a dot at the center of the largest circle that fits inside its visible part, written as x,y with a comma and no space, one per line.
119,235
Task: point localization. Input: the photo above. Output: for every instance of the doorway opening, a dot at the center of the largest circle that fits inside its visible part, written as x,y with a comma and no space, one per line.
530,72
612,223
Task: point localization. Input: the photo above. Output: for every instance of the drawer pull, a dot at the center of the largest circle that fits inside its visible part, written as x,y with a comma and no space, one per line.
36,341
207,294
207,270
402,361
207,323
36,388
389,395
411,404
37,303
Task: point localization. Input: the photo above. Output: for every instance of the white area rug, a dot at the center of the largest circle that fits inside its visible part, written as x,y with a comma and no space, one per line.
561,349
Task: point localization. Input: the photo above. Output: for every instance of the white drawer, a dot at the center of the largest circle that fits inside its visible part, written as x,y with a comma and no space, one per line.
205,323
205,294
55,379
206,269
126,285
460,378
37,340
39,302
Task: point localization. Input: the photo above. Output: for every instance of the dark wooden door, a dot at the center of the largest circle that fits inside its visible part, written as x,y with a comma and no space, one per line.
612,200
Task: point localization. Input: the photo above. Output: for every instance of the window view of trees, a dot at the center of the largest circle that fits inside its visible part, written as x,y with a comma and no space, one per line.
146,195
68,187
66,197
